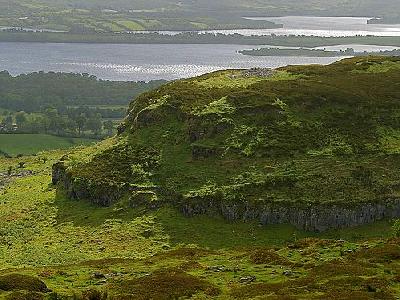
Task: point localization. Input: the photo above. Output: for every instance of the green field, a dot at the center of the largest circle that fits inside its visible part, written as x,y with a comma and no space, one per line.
27,144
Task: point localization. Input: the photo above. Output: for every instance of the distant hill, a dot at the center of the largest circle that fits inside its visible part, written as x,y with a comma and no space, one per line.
315,146
83,16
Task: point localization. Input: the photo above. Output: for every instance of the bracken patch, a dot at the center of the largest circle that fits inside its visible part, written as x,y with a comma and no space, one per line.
380,254
16,282
341,268
24,296
165,284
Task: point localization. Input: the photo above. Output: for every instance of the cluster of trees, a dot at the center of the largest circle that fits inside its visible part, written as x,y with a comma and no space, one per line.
76,123
37,91
65,104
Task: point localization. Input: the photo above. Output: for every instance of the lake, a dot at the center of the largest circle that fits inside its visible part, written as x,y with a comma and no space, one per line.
148,62
315,26
136,62
329,26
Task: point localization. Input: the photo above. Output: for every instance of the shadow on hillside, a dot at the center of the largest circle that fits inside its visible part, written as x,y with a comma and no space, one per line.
84,213
206,231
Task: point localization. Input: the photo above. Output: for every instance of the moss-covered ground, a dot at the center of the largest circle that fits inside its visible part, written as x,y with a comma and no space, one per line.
52,247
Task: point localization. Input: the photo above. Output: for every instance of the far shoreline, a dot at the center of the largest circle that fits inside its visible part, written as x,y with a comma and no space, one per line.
190,38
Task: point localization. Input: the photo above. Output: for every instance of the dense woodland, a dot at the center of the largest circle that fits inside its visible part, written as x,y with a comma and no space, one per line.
35,91
62,103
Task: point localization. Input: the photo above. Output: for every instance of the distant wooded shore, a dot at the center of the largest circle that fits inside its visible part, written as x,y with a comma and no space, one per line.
195,38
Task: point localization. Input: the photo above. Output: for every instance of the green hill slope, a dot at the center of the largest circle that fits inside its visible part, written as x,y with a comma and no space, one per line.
54,248
314,146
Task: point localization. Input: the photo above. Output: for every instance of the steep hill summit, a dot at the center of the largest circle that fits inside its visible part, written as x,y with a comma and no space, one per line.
314,146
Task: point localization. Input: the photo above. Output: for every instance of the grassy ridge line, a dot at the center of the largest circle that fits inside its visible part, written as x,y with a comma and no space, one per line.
189,38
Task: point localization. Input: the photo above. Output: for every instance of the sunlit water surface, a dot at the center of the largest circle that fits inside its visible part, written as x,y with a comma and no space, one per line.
314,26
148,62
136,62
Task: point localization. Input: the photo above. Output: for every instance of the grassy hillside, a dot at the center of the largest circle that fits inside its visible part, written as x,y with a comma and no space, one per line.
300,136
55,248
247,144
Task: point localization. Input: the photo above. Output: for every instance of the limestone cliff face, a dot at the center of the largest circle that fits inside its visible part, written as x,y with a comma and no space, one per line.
80,189
316,218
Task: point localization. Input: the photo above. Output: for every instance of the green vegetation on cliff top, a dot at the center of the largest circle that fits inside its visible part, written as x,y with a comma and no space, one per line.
297,135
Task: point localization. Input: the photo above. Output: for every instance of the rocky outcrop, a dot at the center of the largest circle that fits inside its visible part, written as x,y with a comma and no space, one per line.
259,72
58,172
203,151
318,217
6,178
103,194
207,127
148,116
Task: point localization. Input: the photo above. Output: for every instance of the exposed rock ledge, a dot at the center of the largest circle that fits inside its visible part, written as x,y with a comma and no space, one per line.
319,217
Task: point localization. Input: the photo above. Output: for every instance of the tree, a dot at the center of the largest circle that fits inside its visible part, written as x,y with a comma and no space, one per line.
41,123
71,125
80,122
8,121
94,124
109,126
20,118
52,115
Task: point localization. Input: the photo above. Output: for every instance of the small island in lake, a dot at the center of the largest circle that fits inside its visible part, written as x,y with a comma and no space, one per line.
306,52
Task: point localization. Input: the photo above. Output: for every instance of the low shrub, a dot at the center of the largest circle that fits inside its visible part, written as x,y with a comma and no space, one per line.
18,282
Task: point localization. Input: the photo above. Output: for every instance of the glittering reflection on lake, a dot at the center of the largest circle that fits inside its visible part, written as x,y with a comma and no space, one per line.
136,62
